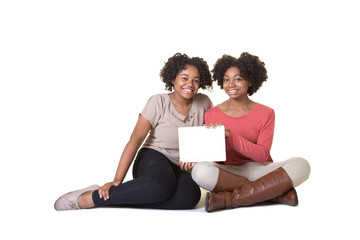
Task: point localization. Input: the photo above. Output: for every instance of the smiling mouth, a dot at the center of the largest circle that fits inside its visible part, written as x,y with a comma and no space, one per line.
187,90
232,91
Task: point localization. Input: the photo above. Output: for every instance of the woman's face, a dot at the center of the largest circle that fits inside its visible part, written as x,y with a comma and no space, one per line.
187,82
234,85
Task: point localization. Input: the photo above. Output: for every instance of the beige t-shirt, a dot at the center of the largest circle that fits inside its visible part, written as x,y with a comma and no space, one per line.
165,121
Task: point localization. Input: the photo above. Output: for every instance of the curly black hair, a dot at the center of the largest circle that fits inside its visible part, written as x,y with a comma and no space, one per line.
251,68
177,63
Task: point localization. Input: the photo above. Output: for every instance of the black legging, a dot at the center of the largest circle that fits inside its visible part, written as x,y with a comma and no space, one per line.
157,183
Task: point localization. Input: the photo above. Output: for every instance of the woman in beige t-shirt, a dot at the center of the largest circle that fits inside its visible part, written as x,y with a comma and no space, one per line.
158,181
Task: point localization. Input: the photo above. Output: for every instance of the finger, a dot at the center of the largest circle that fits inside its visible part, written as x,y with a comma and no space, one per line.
100,192
106,195
192,165
181,164
186,167
212,125
227,132
103,193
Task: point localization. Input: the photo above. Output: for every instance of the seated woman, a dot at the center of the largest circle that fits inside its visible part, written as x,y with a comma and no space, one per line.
158,181
249,174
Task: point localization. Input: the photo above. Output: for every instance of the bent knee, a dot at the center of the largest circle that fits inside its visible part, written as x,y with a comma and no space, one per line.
303,164
190,198
202,171
205,174
299,169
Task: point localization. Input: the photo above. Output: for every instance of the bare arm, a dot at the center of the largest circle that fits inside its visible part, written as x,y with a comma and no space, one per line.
138,136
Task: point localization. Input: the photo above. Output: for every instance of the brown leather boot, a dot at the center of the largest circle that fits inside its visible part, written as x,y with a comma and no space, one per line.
290,198
215,201
228,181
265,188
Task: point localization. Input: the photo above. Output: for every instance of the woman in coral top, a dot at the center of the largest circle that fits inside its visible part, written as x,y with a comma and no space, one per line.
249,174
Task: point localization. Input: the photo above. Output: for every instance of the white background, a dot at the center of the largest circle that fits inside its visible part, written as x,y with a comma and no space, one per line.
75,74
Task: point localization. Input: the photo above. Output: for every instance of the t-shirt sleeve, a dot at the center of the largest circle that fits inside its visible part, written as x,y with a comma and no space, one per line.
206,116
152,110
209,114
208,104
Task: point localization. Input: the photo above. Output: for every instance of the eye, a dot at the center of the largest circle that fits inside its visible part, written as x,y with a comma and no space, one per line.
196,81
185,78
238,79
226,79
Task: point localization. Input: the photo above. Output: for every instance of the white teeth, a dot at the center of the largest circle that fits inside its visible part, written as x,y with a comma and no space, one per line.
187,90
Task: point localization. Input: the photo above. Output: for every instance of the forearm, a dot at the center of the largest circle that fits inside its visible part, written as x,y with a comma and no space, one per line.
256,152
126,159
137,138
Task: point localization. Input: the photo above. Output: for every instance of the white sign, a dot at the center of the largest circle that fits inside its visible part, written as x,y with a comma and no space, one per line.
198,144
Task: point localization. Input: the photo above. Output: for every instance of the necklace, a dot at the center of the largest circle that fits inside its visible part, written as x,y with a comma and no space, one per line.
186,119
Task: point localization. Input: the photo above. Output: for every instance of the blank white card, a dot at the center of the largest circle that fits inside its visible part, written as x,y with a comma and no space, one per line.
198,144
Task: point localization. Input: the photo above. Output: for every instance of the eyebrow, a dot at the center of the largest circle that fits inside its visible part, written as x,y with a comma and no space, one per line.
233,75
189,75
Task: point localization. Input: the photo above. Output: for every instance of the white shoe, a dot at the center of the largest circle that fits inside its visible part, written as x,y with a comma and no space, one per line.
70,201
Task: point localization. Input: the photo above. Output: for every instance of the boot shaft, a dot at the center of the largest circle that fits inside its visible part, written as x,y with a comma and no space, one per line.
265,188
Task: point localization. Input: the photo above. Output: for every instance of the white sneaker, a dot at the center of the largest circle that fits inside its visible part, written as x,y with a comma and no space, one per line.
70,201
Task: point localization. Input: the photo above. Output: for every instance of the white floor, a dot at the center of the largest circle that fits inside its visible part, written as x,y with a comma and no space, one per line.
315,217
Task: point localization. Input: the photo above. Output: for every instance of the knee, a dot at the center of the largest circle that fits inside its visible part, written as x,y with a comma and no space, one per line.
304,165
193,199
205,174
300,169
191,196
199,172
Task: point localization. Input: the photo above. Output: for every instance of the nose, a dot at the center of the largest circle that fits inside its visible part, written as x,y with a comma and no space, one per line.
232,82
191,83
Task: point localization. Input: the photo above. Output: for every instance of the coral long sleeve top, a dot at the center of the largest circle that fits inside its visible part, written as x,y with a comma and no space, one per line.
250,136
